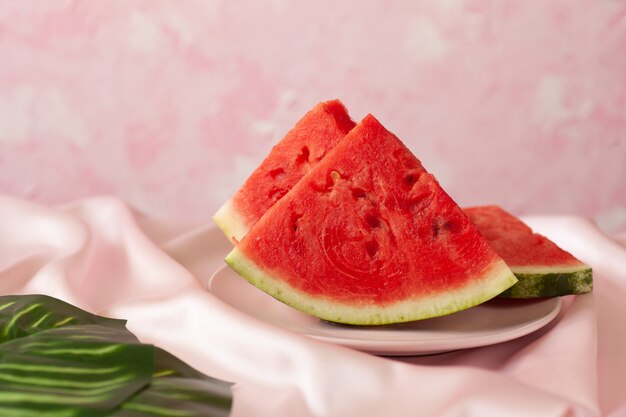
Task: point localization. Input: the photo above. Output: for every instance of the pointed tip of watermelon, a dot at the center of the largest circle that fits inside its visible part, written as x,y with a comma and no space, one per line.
337,109
230,222
496,280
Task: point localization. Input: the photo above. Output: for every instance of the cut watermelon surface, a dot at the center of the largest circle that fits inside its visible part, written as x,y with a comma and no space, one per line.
369,237
542,268
300,150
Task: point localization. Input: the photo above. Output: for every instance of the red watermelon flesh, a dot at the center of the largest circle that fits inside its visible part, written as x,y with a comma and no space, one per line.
303,147
368,236
542,268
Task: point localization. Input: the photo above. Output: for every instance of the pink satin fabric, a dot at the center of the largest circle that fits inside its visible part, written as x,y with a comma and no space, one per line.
102,256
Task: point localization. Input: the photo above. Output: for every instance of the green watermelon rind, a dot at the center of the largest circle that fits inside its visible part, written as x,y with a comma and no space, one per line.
495,281
544,281
230,221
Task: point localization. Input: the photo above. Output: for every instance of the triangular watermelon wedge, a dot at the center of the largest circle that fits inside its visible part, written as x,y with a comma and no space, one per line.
542,268
304,146
369,237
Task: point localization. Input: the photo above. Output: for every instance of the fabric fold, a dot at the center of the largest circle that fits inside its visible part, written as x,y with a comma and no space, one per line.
103,256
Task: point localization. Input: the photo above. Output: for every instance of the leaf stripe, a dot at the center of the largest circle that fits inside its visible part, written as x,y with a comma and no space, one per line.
166,372
59,369
41,320
16,317
60,343
64,321
95,351
96,394
22,412
153,409
12,397
49,343
7,305
86,337
56,382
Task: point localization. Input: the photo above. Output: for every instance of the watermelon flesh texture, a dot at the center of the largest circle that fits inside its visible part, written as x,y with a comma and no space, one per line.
300,150
542,268
369,237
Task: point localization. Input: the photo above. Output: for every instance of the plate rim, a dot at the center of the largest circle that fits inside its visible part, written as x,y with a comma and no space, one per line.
409,347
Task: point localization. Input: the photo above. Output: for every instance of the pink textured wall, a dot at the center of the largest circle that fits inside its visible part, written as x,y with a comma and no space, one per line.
171,105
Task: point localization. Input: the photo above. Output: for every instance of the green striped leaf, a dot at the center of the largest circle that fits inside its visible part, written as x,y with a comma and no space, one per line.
23,315
58,360
178,390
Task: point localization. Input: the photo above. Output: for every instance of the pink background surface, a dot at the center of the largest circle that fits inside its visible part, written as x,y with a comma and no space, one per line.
171,105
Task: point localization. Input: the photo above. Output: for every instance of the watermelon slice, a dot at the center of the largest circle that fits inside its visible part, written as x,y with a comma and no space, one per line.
542,268
369,237
303,147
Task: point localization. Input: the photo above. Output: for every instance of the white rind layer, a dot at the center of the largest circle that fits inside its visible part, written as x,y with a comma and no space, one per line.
545,269
231,222
496,280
